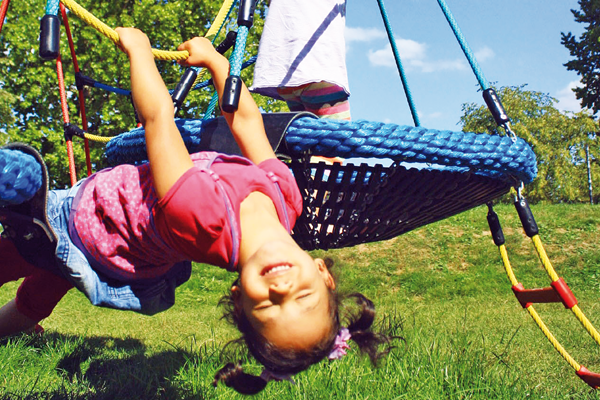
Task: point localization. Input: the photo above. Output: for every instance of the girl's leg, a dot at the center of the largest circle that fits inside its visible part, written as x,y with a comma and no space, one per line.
326,100
291,95
323,99
12,266
37,296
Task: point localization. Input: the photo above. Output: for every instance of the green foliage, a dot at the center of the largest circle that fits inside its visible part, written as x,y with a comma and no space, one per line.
558,140
6,101
26,77
586,53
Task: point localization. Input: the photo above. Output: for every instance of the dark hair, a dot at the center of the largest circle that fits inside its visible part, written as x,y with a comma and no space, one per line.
287,361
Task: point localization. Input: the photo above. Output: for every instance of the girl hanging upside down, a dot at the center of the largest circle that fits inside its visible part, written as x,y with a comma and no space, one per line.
127,236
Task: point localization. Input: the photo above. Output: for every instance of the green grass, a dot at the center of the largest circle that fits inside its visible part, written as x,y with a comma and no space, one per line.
466,337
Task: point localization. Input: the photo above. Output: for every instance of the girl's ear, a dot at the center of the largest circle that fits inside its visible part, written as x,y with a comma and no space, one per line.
325,274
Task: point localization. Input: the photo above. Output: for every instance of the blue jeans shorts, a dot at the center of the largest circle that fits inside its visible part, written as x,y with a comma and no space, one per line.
148,296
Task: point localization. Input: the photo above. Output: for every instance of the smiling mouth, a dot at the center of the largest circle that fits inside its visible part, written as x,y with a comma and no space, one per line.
273,270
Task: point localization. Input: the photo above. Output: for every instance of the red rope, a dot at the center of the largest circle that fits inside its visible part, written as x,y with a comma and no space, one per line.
81,92
3,9
65,111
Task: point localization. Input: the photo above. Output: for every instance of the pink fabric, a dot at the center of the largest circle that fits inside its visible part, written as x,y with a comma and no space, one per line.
193,217
131,234
113,221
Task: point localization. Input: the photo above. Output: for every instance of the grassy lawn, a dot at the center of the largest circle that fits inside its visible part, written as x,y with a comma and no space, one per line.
466,336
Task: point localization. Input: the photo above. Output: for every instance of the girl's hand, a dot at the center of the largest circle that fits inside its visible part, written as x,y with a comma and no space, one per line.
132,39
202,53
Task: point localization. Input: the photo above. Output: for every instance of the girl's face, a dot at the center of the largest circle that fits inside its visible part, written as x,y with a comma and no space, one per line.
284,292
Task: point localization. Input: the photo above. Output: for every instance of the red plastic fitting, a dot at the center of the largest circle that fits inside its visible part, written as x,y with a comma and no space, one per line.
589,377
528,296
567,297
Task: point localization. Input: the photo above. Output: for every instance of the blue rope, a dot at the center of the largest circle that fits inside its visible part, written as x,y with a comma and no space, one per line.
409,98
464,45
488,155
20,177
112,89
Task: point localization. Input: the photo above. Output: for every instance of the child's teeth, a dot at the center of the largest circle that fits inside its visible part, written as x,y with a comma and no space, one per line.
279,268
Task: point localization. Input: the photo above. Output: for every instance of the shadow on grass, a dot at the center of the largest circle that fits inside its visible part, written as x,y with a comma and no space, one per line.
98,368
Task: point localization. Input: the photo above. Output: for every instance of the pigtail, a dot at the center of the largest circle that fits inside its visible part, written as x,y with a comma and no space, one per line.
360,323
234,376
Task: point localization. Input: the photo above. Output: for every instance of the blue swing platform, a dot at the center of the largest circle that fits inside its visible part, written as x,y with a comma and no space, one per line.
433,174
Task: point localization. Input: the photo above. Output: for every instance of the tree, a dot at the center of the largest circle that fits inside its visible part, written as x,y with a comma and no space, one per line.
24,76
586,51
557,139
6,101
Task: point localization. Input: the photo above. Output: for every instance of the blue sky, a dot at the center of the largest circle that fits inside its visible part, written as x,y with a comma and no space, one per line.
515,41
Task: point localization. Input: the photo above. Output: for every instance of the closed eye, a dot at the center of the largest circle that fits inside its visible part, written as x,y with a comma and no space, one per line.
303,296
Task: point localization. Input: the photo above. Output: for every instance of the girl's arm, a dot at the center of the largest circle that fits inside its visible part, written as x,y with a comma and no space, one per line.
246,123
167,154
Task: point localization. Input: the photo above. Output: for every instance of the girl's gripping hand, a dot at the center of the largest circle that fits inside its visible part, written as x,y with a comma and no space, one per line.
132,40
202,53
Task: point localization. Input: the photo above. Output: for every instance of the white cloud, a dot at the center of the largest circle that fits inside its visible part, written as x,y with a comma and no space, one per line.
484,54
363,34
432,116
413,56
566,98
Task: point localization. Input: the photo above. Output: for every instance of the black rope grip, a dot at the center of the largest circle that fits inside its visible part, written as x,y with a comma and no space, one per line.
495,227
231,93
183,87
246,13
526,216
495,106
49,37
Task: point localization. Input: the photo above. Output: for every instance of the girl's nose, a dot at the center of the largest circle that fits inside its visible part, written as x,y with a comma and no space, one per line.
280,289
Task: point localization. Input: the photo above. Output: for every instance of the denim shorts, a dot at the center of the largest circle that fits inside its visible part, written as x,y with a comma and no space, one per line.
148,296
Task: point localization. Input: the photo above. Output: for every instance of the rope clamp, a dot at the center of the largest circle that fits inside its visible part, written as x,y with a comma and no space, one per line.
73,130
510,132
519,190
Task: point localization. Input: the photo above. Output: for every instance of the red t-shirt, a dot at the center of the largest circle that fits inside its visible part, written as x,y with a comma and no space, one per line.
130,234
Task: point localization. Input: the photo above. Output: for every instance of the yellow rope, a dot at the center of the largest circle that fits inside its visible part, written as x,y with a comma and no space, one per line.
507,267
537,242
539,247
96,138
110,33
113,35
158,54
552,339
540,323
586,323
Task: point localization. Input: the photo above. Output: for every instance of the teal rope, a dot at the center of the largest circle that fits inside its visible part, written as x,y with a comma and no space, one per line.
464,45
388,28
52,7
210,110
237,56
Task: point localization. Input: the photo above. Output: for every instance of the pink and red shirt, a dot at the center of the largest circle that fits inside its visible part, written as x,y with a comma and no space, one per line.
128,233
